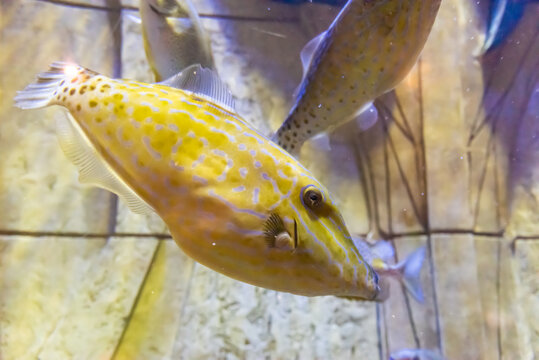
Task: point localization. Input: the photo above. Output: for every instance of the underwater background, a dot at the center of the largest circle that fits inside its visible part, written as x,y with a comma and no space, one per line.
452,163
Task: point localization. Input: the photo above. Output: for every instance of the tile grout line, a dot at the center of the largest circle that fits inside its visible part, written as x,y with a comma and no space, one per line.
75,234
119,9
115,25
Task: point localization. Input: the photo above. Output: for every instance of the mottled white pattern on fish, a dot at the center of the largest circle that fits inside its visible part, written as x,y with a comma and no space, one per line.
214,180
368,50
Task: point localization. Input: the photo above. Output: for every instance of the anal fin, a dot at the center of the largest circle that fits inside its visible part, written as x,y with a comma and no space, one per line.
92,168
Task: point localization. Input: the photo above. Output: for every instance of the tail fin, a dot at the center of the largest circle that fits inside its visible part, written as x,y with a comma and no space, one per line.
410,269
47,86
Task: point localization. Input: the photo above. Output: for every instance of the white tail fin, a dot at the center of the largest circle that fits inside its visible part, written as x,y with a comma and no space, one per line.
410,269
48,85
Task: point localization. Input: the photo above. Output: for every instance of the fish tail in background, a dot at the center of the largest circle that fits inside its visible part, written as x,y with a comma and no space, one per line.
504,16
410,271
173,37
368,49
42,93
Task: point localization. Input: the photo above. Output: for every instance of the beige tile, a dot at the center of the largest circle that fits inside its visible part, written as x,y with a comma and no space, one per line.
93,321
67,297
527,297
458,294
33,169
151,329
409,324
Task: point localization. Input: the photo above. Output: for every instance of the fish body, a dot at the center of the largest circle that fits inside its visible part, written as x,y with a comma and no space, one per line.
368,49
407,271
173,37
415,354
232,199
504,16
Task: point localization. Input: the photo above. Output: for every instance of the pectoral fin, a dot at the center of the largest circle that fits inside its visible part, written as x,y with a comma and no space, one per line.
92,168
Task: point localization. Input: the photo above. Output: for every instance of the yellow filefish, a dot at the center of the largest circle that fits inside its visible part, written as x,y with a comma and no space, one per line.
173,37
368,49
232,199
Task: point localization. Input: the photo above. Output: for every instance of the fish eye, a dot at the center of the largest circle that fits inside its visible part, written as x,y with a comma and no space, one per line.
312,197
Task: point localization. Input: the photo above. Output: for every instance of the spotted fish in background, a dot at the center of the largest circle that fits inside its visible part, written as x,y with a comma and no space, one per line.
173,37
368,49
232,199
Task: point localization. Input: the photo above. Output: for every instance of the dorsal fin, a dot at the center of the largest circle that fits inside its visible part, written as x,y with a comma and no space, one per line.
306,56
92,168
309,49
203,82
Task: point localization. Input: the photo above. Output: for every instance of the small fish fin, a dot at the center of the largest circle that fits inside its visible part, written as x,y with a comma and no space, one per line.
363,248
40,93
92,169
203,82
422,354
366,117
321,142
411,271
495,21
383,250
306,55
174,8
134,18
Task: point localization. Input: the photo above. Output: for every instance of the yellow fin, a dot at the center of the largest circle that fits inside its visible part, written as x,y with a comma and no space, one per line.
92,168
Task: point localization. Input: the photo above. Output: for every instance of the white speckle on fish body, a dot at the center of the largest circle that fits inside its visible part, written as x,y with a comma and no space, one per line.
243,172
275,160
220,153
231,138
256,192
191,103
175,166
119,135
147,142
198,161
233,123
176,146
151,106
200,180
260,141
195,119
